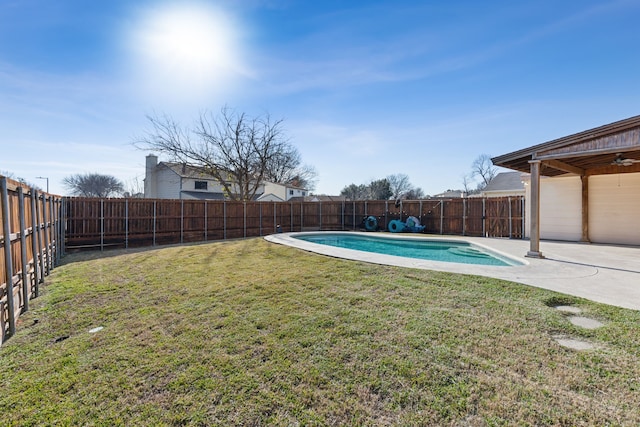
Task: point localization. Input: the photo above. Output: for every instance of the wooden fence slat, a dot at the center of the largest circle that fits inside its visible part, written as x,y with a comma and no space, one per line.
31,234
160,221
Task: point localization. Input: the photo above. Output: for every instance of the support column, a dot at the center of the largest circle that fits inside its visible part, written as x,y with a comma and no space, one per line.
585,209
534,234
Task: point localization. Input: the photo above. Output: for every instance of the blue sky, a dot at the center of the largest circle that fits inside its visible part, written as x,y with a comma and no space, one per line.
366,88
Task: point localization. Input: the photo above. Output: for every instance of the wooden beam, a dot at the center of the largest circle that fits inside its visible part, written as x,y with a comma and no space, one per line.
585,208
565,167
534,227
612,169
587,153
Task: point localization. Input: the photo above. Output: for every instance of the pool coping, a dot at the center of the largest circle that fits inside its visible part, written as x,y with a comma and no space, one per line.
602,273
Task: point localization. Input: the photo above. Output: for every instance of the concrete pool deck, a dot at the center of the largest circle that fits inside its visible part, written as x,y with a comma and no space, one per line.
604,273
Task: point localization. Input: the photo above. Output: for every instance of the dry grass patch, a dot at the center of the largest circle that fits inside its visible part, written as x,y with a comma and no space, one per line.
253,333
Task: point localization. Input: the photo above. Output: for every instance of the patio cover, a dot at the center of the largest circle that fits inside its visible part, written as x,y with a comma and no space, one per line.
592,152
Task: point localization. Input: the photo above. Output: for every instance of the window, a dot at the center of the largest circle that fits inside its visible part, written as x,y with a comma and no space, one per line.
201,185
304,193
291,192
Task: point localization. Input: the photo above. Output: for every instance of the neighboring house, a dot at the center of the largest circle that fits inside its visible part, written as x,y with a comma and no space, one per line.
280,193
449,194
582,187
319,198
505,184
166,180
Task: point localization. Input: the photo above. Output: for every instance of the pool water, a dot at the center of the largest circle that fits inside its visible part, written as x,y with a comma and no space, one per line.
434,250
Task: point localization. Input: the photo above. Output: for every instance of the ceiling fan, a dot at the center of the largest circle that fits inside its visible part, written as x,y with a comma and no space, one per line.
621,161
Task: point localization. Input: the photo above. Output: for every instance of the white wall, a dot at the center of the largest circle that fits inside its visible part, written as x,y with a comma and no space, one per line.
614,208
560,208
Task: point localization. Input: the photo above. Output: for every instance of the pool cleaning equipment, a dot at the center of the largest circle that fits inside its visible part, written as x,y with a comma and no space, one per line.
396,226
371,223
411,225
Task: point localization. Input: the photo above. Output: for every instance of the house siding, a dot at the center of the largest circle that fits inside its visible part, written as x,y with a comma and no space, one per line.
614,203
167,184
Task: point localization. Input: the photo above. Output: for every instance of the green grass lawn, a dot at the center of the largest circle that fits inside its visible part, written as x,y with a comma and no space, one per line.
253,333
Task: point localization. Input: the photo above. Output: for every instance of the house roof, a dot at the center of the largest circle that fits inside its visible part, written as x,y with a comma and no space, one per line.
318,198
505,181
591,152
187,171
204,195
448,194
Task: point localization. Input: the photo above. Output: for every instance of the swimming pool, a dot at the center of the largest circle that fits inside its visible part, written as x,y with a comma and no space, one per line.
418,248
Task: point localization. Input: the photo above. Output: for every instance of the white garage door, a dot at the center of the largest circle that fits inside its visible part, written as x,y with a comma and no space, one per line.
614,208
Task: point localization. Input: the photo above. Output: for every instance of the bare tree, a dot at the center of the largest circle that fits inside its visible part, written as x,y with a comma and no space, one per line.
286,167
483,168
93,185
399,184
416,193
134,188
237,150
467,184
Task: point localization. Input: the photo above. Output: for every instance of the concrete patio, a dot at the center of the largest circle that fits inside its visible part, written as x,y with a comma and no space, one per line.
604,273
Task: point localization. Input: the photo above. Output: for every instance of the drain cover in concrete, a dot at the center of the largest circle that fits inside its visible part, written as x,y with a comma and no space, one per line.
585,322
573,343
568,309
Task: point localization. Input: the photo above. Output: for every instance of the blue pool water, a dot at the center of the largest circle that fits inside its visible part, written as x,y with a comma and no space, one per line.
434,250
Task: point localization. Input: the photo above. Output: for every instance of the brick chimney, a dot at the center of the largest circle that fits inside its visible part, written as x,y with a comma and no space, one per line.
150,177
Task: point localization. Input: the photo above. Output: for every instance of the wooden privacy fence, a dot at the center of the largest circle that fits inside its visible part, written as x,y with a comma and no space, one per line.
30,246
93,223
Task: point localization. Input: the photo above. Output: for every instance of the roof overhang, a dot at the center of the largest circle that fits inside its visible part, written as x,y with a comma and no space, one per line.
591,152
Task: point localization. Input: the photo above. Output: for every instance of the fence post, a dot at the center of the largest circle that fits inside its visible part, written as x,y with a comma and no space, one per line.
342,214
53,225
47,256
224,220
275,219
441,216
510,229
63,226
34,239
41,239
101,224
244,219
56,212
320,208
522,212
484,217
23,249
181,221
260,214
291,214
126,223
6,226
353,224
464,215
155,213
386,213
301,216
206,222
